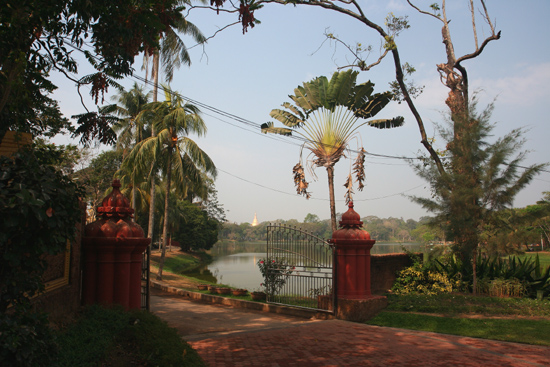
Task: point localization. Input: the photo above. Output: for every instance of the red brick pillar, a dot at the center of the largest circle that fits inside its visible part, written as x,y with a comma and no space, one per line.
352,250
111,246
353,246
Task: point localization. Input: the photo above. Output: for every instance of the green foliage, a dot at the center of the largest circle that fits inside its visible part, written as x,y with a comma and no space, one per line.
482,178
33,41
510,276
499,287
422,279
195,229
275,272
26,340
97,178
123,338
40,210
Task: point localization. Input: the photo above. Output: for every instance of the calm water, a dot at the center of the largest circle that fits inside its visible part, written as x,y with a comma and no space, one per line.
234,264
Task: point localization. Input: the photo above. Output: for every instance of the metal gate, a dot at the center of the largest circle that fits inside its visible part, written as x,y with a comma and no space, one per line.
298,269
145,278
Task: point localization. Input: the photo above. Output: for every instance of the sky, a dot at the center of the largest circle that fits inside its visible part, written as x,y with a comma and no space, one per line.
245,76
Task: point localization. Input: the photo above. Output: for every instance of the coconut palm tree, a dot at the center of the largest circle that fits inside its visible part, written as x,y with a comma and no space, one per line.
130,131
171,152
127,106
171,54
327,114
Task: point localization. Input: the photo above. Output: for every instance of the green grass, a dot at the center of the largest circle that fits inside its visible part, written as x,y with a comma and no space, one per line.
511,330
509,319
184,261
454,304
113,337
544,258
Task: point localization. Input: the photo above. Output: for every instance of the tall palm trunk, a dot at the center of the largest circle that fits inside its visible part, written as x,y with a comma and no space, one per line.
155,75
330,173
166,209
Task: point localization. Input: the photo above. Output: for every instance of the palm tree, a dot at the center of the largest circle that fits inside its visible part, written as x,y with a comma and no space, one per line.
130,130
173,153
173,53
128,105
328,113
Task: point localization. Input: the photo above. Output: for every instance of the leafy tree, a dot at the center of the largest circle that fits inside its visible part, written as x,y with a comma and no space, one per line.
38,37
327,112
196,230
40,209
311,218
63,158
130,131
98,176
452,72
179,158
482,178
171,53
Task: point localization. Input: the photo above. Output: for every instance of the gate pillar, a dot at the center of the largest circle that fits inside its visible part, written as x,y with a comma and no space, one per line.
112,246
353,279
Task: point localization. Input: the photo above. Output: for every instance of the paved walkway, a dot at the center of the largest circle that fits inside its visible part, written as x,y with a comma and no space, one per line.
230,337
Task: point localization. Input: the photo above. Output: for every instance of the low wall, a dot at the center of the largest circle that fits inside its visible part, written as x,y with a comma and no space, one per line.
384,269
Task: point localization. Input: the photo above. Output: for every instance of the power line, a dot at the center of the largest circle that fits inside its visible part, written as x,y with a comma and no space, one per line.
256,127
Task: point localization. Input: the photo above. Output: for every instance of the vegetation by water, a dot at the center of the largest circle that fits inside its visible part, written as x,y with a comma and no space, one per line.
182,261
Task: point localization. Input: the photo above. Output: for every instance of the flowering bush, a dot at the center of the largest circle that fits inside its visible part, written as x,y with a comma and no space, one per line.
275,272
421,280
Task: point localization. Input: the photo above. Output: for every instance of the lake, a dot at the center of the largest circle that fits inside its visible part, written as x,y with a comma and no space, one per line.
235,263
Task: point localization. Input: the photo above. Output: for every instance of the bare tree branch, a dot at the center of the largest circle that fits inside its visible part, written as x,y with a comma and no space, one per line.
480,50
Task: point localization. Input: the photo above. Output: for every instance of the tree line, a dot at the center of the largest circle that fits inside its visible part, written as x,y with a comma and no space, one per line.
512,231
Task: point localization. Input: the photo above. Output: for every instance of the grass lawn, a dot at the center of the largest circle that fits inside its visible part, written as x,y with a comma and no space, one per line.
506,329
544,258
177,262
508,319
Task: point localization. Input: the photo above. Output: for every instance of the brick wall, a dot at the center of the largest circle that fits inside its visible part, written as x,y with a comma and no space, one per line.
384,270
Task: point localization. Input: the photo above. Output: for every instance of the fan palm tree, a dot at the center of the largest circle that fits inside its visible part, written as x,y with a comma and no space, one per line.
326,115
179,159
171,54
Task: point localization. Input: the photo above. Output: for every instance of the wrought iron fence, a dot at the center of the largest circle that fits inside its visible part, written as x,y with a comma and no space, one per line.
298,270
145,274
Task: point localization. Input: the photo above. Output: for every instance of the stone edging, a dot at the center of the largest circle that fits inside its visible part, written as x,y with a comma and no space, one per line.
265,307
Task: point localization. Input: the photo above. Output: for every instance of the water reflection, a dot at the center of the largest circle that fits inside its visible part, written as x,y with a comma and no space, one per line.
234,263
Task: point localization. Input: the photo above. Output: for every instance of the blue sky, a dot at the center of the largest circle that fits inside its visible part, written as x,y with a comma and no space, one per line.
249,75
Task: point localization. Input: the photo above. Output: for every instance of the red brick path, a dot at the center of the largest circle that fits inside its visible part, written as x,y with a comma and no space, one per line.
340,343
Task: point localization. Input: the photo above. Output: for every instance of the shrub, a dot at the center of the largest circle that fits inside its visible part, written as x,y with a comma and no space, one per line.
275,272
111,337
26,340
420,279
500,287
39,209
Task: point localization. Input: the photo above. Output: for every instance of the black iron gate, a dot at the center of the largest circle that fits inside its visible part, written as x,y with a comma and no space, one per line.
298,269
145,278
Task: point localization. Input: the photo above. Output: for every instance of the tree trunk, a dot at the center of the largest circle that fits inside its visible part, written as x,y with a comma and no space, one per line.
474,266
166,209
155,75
330,173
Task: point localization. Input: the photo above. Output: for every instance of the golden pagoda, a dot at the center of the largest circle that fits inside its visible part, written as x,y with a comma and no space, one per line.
255,221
